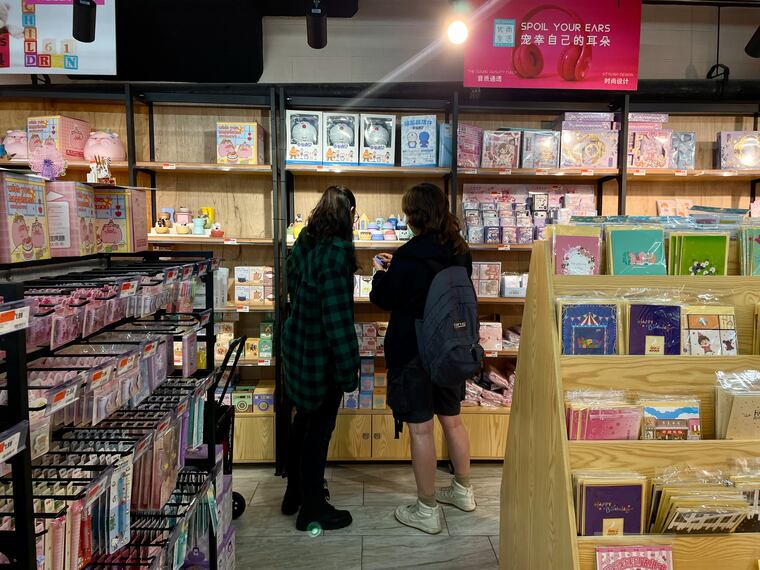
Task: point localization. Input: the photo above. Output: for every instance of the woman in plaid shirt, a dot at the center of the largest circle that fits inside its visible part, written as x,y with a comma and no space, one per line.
320,352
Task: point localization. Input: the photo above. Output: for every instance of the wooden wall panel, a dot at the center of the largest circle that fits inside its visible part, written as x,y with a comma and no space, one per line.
642,195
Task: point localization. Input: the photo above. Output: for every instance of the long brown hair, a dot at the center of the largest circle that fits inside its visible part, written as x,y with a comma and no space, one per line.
427,210
333,216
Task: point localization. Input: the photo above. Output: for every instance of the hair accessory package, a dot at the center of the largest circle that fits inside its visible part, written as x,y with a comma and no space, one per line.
419,140
239,143
589,149
378,142
501,149
739,150
71,218
23,219
341,138
304,137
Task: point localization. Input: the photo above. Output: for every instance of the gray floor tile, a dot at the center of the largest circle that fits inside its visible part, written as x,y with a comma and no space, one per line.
484,521
379,521
245,487
390,492
255,473
490,469
487,492
427,552
495,543
319,553
342,493
265,521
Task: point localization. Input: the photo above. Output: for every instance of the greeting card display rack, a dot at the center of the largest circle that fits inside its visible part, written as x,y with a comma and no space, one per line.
538,528
200,471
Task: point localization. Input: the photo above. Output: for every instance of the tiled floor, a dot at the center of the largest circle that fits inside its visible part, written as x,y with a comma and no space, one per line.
269,540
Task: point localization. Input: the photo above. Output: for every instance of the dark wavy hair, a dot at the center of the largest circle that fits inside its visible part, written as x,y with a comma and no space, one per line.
427,210
333,216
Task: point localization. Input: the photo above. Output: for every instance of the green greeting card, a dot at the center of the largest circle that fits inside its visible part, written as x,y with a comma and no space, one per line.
636,250
703,254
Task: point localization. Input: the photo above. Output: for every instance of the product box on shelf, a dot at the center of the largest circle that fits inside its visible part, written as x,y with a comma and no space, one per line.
252,274
252,348
540,149
491,336
378,140
648,117
501,149
120,220
24,219
304,137
419,140
589,116
469,145
444,145
739,150
351,400
263,399
650,149
340,138
71,218
589,149
239,143
365,400
379,398
265,348
586,126
65,134
683,151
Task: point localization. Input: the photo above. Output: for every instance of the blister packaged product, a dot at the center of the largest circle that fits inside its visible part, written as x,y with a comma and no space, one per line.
601,415
636,250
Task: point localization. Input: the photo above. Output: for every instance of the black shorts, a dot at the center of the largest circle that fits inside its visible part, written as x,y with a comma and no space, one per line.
414,398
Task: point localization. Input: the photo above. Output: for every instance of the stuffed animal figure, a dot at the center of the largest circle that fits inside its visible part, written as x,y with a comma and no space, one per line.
5,27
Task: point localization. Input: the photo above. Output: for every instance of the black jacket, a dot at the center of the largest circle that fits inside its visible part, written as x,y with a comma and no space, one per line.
403,289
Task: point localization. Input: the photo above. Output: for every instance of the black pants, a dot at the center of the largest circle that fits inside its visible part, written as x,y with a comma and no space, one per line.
307,453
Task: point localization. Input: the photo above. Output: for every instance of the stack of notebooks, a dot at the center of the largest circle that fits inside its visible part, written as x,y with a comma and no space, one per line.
698,253
612,415
749,250
609,503
647,328
693,503
737,405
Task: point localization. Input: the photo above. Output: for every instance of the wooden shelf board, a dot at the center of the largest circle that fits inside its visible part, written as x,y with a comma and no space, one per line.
481,300
696,552
507,353
647,456
555,174
206,240
206,168
245,362
268,308
673,175
373,171
501,248
254,415
388,412
70,164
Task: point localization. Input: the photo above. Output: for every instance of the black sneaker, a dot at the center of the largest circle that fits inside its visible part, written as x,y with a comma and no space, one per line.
330,519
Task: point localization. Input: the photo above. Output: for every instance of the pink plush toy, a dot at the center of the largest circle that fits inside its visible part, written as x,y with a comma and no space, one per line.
105,144
16,144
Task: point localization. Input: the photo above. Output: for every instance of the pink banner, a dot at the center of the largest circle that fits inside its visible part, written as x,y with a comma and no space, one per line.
62,2
568,44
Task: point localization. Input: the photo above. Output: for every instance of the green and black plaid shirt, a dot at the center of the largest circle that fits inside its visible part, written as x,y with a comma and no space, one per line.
319,342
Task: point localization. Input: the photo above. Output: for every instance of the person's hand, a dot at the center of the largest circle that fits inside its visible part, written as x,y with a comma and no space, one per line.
382,261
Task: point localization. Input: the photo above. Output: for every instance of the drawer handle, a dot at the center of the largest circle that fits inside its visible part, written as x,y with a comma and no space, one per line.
365,436
376,435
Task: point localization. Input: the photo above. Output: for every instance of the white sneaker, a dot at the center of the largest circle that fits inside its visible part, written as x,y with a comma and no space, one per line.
459,496
421,517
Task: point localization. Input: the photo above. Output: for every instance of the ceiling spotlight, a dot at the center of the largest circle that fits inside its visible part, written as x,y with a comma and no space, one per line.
457,32
753,45
316,23
84,20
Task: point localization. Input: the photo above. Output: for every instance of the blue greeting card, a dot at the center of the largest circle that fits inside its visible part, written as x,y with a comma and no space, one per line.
589,329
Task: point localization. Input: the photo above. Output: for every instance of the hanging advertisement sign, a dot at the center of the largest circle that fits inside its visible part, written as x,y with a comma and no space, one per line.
566,44
36,37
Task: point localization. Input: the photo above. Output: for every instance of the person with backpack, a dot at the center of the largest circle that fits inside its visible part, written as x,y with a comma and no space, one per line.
320,352
431,347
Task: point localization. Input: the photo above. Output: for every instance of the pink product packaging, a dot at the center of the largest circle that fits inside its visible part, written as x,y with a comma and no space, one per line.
648,117
63,133
644,126
739,150
589,116
23,219
589,149
501,149
71,218
589,125
120,220
469,145
490,336
650,149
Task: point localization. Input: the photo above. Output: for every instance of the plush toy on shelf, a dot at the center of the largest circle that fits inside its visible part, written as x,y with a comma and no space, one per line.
161,227
104,144
216,230
15,143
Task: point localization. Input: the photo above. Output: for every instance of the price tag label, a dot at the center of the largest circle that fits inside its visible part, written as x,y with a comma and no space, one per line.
366,354
587,171
187,270
639,171
491,354
182,408
321,168
243,309
468,171
505,247
202,268
9,446
128,288
505,172
730,173
215,263
149,349
14,320
169,166
98,377
542,171
230,241
170,275
265,362
681,172
62,398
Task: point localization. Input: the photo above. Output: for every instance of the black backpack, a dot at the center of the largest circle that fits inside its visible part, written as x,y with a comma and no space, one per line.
448,335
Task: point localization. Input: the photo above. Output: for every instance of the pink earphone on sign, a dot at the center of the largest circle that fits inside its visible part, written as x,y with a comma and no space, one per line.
528,61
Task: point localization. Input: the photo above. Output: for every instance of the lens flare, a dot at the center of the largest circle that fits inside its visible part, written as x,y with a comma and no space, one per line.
457,32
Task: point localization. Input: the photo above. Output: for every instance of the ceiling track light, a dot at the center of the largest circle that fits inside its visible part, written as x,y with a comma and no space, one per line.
316,23
84,20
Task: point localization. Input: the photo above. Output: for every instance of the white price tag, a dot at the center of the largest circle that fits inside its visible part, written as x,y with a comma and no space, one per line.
169,166
9,446
542,171
587,171
265,362
14,320
230,241
128,288
468,171
681,172
505,247
62,398
639,171
491,354
243,309
505,172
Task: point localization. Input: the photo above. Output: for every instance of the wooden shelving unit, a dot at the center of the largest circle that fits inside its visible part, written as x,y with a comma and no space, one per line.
206,168
556,175
366,171
538,527
177,239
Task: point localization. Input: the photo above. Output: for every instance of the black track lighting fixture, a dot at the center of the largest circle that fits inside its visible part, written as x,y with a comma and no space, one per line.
84,20
752,48
316,23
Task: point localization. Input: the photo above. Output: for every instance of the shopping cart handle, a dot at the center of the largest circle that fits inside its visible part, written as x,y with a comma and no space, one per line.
236,347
